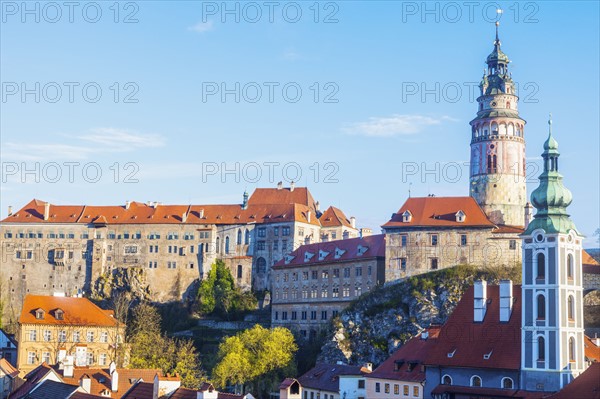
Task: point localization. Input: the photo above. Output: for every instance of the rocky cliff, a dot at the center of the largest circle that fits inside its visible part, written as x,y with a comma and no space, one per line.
381,321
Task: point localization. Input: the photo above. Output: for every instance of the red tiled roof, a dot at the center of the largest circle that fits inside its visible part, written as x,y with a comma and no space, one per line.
477,392
586,385
141,390
469,341
592,351
587,259
139,213
287,383
406,364
440,212
334,217
77,311
101,379
8,368
184,393
299,195
326,377
504,229
32,378
375,245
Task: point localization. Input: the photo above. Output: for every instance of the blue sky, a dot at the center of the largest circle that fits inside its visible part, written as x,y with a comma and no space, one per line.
161,120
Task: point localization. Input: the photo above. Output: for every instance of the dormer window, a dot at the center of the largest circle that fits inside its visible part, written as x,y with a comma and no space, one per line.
406,217
460,216
323,254
59,314
487,356
451,354
361,250
39,314
339,252
308,256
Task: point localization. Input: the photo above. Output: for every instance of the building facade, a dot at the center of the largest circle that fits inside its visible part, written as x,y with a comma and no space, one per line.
50,248
553,334
317,281
55,329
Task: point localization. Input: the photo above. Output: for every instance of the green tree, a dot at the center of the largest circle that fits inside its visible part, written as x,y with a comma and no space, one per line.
219,296
258,359
152,349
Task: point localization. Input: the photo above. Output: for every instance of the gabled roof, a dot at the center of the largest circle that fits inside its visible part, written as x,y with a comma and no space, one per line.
406,364
141,390
335,251
285,384
140,213
590,265
101,380
333,217
586,385
326,377
468,341
591,350
283,195
51,390
8,368
33,378
440,212
77,311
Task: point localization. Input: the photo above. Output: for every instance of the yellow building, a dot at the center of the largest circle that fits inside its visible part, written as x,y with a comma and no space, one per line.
68,330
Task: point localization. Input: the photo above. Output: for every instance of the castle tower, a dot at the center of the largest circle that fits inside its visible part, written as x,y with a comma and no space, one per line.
497,177
552,351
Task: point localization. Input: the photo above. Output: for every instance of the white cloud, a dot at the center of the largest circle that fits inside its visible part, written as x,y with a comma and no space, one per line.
395,125
40,152
291,55
122,139
202,27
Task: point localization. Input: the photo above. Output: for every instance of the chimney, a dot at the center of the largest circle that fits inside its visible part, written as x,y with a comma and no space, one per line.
46,211
479,300
114,380
245,201
127,204
112,367
68,366
317,206
9,210
425,334
85,382
368,366
506,299
528,213
201,213
292,186
279,185
353,222
308,216
596,340
184,217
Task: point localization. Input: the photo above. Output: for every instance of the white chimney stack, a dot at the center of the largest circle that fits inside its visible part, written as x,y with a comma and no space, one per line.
127,204
425,334
114,380
184,217
308,214
317,206
46,211
292,186
201,213
479,300
68,366
279,185
506,300
9,210
353,222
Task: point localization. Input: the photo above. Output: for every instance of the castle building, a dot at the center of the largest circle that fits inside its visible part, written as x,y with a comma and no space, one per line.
553,336
430,233
315,282
497,167
51,248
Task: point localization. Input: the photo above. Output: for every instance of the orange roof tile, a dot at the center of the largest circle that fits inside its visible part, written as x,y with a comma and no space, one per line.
440,212
101,380
77,311
299,195
504,343
8,368
587,259
592,351
334,217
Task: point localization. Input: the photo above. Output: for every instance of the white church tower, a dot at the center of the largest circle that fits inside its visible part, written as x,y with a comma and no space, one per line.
552,351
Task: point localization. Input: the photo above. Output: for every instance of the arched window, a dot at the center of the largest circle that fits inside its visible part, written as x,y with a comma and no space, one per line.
570,266
239,237
261,265
571,307
476,381
508,104
491,163
541,266
227,244
541,349
218,244
507,383
240,271
447,380
571,349
247,237
541,307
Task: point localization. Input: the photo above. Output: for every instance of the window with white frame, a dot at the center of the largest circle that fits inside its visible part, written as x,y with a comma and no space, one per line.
475,381
31,357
